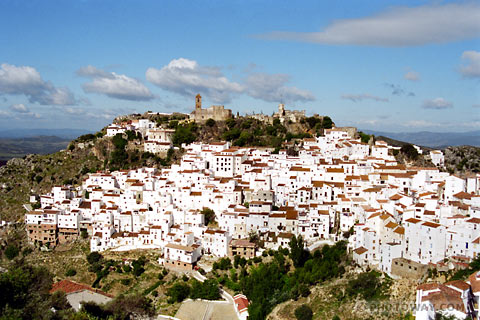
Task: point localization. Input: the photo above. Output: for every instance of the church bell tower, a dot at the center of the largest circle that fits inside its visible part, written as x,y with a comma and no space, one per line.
198,102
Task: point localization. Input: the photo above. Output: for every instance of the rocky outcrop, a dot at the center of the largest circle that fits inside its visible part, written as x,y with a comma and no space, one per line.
462,159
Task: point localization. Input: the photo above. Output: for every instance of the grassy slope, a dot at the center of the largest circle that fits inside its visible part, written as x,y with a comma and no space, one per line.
325,302
18,179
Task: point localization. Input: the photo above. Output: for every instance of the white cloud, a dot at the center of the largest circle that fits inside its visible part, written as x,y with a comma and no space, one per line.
74,111
437,103
412,76
25,80
272,88
362,96
5,114
19,112
114,85
472,69
398,27
187,78
19,108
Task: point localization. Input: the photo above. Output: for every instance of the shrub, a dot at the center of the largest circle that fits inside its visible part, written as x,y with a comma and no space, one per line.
86,137
94,257
210,123
126,281
303,312
70,272
367,284
409,151
184,134
178,292
208,214
119,142
26,251
12,251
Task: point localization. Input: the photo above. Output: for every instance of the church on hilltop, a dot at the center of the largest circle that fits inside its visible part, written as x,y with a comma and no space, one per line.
217,113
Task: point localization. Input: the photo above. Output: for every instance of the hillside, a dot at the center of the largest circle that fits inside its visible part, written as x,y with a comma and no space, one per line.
462,159
19,147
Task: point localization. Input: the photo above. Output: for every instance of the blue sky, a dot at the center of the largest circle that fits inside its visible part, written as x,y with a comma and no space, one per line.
396,66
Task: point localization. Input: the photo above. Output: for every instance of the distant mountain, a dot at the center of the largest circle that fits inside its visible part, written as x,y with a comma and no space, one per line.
438,140
18,147
26,133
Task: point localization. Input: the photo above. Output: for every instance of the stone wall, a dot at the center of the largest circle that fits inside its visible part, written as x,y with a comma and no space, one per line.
405,268
217,113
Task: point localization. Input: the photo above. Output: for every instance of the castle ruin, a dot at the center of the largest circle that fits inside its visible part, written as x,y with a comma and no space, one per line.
217,113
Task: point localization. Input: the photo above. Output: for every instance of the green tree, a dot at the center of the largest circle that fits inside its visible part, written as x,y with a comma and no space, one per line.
24,292
207,290
208,214
298,253
94,257
178,292
364,137
366,284
409,151
119,142
184,134
327,122
231,123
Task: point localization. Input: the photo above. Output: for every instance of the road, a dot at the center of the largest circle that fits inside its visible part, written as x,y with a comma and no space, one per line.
319,243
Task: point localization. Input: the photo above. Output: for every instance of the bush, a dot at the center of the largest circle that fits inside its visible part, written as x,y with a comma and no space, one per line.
207,290
327,123
12,251
70,272
126,281
119,142
86,137
94,257
367,284
208,214
231,123
26,251
178,292
409,151
210,123
364,137
304,312
138,266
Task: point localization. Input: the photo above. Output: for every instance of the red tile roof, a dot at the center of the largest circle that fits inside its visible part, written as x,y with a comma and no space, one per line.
69,286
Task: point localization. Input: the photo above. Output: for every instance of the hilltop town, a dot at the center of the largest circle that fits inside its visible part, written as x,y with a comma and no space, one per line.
222,200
